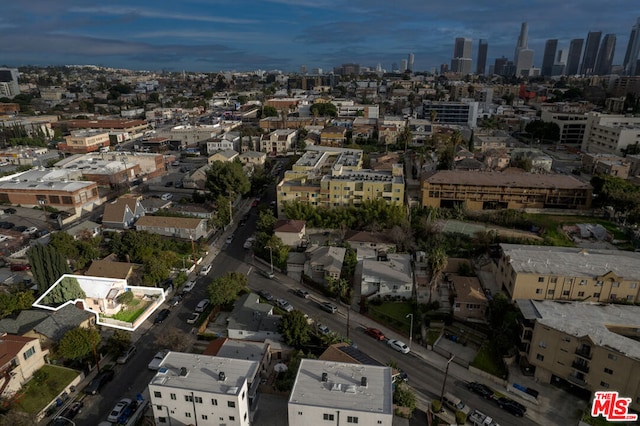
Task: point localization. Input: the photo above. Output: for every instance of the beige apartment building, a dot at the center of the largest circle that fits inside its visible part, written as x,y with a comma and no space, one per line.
476,190
568,273
83,141
333,177
591,346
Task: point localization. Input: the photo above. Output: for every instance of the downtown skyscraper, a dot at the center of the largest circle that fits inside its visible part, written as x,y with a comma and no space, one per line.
549,57
573,59
461,62
483,47
633,48
590,53
605,55
523,56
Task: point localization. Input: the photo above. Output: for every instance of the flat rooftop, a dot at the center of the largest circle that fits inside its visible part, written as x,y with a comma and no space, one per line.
343,388
202,373
572,261
594,320
510,179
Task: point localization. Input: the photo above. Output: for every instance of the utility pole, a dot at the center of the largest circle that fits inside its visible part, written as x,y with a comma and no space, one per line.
444,382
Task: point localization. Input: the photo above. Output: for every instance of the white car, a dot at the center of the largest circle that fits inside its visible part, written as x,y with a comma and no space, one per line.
193,318
166,196
323,329
118,409
284,305
249,243
188,286
32,230
157,359
398,346
229,239
205,270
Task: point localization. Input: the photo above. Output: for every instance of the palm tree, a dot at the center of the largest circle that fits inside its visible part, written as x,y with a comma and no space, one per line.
437,263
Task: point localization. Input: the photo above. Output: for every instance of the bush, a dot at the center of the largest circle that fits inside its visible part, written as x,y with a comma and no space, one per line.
125,298
461,418
436,406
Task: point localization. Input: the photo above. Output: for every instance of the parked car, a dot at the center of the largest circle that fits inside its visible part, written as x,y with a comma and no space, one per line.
375,333
206,269
284,305
168,184
101,379
323,329
162,315
455,404
301,293
193,318
329,307
31,230
20,267
10,210
73,410
21,228
398,346
268,274
265,295
166,196
175,300
119,409
481,389
188,286
229,239
7,225
511,406
126,355
157,359
202,305
248,243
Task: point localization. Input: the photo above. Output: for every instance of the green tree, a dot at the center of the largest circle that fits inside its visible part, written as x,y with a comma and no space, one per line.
173,339
404,397
323,109
266,221
118,341
225,289
47,265
78,342
269,111
295,329
446,157
15,301
67,289
437,264
226,179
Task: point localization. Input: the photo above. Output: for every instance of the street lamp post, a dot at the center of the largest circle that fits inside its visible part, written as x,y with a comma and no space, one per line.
444,382
410,330
270,257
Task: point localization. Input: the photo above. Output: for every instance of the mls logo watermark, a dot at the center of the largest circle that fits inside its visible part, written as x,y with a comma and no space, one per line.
612,407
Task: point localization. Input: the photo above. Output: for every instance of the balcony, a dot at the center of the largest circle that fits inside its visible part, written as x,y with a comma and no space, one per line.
580,366
575,380
584,352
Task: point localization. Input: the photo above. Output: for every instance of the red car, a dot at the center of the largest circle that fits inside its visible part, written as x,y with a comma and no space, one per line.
375,333
255,203
20,267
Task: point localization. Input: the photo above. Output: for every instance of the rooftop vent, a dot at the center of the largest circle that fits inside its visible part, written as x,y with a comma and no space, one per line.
221,376
325,377
363,382
183,371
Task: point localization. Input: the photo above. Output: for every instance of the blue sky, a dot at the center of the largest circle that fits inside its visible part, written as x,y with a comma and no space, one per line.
214,35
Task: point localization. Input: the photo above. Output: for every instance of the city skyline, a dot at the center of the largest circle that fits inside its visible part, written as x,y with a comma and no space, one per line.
212,35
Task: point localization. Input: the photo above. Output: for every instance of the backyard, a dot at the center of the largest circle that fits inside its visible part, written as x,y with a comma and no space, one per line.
134,309
487,360
394,315
46,384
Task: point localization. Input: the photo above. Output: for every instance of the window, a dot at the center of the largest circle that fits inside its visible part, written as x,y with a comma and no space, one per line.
379,422
231,404
630,298
612,357
553,280
326,416
28,353
608,370
162,419
352,419
596,294
581,294
188,398
540,357
232,418
613,296
204,417
604,385
214,401
172,396
633,285
565,293
566,339
242,395
616,284
542,344
538,291
299,413
540,279
157,394
198,399
551,291
598,283
583,282
187,414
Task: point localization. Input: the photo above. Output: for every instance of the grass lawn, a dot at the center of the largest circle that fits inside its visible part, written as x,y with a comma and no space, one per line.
552,225
130,315
46,384
432,335
393,314
485,360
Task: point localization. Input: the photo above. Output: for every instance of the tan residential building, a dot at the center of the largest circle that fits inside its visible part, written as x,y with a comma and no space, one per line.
20,357
610,134
179,227
290,231
333,136
225,156
278,141
604,164
83,141
135,128
476,190
568,273
590,346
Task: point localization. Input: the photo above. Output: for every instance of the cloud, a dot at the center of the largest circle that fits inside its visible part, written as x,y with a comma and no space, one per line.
156,14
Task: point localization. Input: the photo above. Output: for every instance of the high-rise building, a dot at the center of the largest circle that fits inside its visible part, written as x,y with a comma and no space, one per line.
523,56
633,48
410,60
548,59
483,47
403,66
461,62
590,52
9,83
573,60
605,55
498,66
303,69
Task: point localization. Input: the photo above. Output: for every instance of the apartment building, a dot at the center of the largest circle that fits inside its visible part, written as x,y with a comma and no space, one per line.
568,273
588,346
203,390
605,164
178,227
327,392
572,125
279,141
331,177
477,190
135,128
610,134
460,113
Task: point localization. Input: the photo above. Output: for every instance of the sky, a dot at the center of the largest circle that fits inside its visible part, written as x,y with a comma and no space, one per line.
247,35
